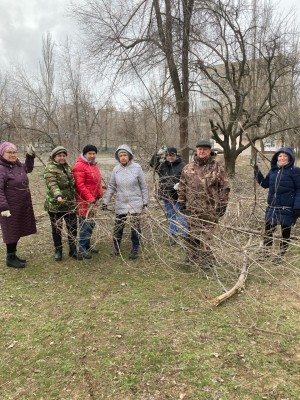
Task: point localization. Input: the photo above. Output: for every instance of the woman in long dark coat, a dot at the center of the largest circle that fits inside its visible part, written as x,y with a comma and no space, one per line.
16,212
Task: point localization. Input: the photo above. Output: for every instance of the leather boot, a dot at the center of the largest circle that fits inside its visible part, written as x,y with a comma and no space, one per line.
58,253
13,261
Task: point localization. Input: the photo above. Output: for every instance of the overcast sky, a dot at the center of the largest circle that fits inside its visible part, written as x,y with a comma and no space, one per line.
24,22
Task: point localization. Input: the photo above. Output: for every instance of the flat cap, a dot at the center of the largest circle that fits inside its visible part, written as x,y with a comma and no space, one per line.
204,143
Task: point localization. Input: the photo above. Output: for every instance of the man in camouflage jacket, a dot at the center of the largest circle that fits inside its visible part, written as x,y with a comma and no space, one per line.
203,196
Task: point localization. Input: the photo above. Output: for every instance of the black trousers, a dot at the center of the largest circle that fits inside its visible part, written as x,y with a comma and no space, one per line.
135,227
285,233
57,219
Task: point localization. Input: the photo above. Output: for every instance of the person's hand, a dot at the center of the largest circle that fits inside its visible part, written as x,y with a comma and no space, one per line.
162,150
182,207
104,207
30,150
221,210
5,213
297,213
91,209
176,186
60,199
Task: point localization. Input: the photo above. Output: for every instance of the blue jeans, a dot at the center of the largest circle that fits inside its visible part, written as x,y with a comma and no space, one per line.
175,218
85,233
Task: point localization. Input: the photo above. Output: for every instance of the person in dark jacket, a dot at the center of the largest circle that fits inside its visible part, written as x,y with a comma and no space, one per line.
283,182
16,212
60,201
169,172
89,189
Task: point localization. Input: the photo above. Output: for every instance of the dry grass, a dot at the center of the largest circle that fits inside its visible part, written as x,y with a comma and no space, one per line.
111,328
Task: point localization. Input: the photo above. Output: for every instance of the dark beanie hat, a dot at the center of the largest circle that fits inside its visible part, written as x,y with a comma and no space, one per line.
204,143
89,147
171,150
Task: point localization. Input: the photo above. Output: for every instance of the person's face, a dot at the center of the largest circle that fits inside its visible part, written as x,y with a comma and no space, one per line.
283,158
171,157
10,155
61,158
203,152
90,155
123,158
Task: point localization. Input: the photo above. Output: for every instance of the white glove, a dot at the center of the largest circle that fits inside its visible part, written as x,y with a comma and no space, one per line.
30,150
5,213
162,150
176,186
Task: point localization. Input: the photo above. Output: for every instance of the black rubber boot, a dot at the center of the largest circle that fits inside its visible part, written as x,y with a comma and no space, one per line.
58,253
12,261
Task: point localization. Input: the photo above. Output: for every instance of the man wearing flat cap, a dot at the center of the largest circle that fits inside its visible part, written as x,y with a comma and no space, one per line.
203,196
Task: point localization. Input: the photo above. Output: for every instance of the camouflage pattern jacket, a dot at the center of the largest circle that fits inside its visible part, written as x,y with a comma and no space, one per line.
204,188
60,182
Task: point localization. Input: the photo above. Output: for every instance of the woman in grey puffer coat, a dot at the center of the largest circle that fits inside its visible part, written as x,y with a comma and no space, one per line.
128,183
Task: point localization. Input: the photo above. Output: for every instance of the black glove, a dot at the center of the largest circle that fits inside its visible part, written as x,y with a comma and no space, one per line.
221,210
297,213
182,207
104,207
145,206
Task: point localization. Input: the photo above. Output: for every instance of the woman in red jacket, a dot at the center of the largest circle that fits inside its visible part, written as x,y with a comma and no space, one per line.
89,190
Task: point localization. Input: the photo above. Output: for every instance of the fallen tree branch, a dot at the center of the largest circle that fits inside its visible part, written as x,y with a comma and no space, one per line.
240,284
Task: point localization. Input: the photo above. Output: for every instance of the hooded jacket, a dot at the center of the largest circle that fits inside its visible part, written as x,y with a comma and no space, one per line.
128,184
169,174
88,184
284,189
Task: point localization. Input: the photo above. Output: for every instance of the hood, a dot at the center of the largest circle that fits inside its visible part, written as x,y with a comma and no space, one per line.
126,148
177,161
286,150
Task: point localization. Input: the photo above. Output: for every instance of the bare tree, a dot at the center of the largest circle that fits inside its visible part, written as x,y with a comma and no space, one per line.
141,37
245,64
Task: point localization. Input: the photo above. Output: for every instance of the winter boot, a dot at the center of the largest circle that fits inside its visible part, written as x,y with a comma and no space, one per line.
58,253
13,261
134,252
72,251
23,260
83,255
116,247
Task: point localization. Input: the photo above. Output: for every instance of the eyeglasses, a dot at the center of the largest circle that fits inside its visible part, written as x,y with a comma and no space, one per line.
11,152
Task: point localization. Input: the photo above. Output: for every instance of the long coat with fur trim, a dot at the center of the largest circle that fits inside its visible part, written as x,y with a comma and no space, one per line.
15,196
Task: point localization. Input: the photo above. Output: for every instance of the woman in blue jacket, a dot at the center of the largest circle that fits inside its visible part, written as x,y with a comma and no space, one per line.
283,182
